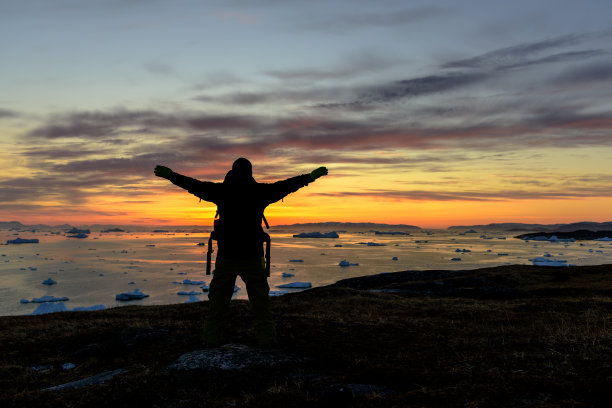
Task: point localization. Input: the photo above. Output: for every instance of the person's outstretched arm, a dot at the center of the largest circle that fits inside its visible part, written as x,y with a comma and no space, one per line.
282,188
205,190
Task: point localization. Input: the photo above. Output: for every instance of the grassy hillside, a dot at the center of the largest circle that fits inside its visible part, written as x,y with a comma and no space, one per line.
510,336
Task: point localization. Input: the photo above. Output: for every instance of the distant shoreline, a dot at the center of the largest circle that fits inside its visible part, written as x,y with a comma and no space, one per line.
501,227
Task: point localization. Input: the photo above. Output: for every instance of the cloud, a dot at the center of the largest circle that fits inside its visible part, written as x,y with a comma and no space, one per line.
5,113
338,24
511,55
592,73
98,125
466,195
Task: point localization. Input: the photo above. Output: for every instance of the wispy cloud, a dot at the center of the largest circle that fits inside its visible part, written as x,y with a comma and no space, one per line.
353,20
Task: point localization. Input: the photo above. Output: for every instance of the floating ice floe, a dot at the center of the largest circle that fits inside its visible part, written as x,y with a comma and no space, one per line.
44,299
45,308
344,262
552,238
371,244
295,285
296,260
287,275
81,235
462,250
190,282
88,308
22,241
191,293
192,299
502,254
49,282
543,261
332,234
277,292
394,258
455,259
78,231
134,295
337,246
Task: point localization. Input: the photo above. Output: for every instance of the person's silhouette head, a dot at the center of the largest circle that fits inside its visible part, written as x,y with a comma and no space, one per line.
241,172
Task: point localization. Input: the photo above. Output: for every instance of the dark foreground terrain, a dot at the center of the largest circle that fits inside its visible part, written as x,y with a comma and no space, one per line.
510,336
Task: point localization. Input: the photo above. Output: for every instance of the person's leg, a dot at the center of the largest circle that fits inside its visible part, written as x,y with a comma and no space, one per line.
219,296
254,276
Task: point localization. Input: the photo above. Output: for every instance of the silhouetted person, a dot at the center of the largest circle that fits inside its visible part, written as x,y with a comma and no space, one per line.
240,204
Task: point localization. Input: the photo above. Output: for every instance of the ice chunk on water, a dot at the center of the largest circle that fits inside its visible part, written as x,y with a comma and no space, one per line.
277,292
134,295
192,299
44,299
296,285
543,261
191,293
22,241
190,282
344,262
49,282
88,308
45,308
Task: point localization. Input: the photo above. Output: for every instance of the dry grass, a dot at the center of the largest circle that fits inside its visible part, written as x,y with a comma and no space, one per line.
550,345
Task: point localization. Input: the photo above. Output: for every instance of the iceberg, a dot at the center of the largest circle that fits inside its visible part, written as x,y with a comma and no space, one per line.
44,299
88,308
22,241
542,261
79,235
192,299
371,244
332,234
45,308
277,292
134,295
191,293
344,262
49,282
455,259
295,285
287,275
190,282
462,250
78,231
394,258
296,260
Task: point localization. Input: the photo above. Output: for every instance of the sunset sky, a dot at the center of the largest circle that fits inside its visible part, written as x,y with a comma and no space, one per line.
431,113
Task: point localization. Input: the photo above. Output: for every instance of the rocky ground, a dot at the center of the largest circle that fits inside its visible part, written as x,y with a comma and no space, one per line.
510,336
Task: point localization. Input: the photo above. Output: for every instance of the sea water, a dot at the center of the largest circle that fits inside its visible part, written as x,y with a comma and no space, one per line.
92,270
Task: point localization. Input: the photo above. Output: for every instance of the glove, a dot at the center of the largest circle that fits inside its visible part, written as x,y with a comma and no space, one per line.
162,171
315,174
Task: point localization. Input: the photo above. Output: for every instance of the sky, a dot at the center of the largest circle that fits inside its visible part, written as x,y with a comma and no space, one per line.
431,113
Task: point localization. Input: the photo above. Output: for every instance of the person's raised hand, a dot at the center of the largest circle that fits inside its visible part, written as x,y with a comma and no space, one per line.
162,171
321,171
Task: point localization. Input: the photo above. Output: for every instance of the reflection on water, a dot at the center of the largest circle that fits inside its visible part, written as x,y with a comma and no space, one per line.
93,270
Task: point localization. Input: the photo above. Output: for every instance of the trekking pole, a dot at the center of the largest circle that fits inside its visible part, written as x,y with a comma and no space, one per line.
208,255
267,240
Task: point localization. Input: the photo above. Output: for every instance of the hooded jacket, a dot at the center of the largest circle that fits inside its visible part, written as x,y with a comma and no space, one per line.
240,202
